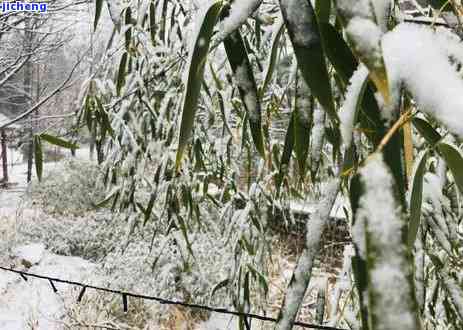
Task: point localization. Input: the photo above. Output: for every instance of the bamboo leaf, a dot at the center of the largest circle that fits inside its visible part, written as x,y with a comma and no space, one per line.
152,23
242,70
427,131
287,151
98,8
454,159
58,142
416,198
220,285
303,119
195,73
121,73
323,10
38,154
338,52
307,43
278,32
372,55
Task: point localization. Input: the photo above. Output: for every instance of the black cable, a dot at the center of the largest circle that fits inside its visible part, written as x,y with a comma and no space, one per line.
162,300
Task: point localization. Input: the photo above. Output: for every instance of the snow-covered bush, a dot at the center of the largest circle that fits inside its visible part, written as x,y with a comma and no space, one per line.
70,189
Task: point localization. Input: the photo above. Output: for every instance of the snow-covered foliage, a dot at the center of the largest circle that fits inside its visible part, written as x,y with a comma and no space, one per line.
221,203
71,189
390,294
350,106
435,87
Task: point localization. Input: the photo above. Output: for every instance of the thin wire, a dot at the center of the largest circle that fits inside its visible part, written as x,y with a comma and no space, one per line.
165,301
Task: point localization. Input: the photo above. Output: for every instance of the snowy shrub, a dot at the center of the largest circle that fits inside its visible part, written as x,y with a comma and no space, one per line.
90,236
69,190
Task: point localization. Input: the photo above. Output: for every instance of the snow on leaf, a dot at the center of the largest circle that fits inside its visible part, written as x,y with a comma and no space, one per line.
351,103
391,306
240,11
414,59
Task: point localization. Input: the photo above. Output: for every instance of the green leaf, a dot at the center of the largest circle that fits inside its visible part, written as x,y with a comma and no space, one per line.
338,52
152,23
273,57
307,43
444,5
287,151
454,159
38,154
323,10
98,8
198,55
242,69
149,208
416,198
121,73
427,131
220,285
58,142
128,32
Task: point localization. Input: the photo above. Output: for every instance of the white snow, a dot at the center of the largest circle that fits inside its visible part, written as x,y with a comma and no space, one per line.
383,223
352,8
239,13
366,36
318,134
304,35
33,304
29,254
349,107
382,10
415,57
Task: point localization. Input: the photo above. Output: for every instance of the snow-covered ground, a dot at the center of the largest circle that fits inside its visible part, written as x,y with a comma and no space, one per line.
34,305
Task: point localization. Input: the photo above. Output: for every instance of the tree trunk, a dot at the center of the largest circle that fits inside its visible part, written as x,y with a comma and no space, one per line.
28,95
4,157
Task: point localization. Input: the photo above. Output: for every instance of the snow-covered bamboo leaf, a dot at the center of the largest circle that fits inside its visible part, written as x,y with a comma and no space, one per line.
194,74
365,36
301,24
391,298
38,155
303,270
352,103
454,160
244,77
416,198
359,264
303,120
239,12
